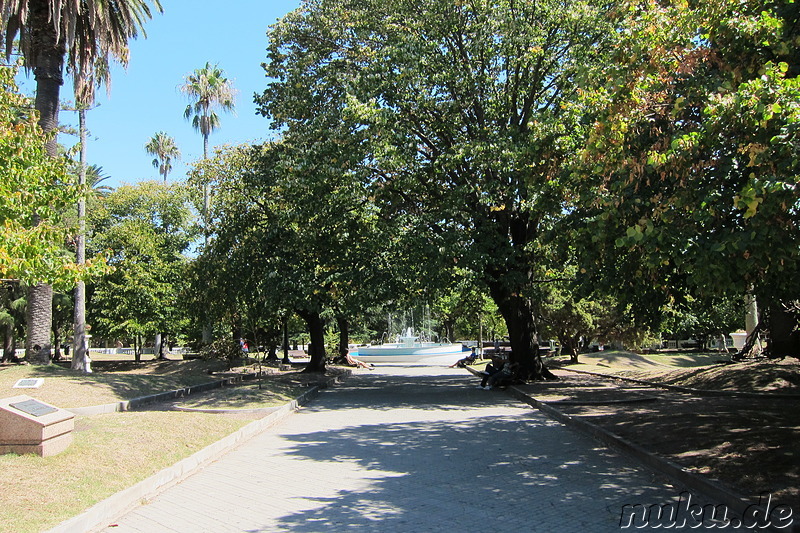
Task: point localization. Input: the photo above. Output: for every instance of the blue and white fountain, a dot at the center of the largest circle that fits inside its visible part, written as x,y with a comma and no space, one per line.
409,349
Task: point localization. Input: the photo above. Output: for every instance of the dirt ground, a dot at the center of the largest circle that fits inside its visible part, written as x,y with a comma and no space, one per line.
750,444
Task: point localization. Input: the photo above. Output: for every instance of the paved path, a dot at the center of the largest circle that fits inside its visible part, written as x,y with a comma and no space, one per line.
407,449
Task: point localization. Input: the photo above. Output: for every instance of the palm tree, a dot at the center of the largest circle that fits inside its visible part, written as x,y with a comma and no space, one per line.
209,89
94,177
164,148
85,34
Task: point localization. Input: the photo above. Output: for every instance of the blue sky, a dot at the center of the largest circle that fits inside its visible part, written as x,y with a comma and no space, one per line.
146,98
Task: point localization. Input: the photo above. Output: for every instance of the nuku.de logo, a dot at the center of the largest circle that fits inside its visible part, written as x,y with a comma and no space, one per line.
684,513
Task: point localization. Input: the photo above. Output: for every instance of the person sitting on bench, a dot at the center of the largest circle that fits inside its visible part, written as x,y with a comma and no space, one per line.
491,369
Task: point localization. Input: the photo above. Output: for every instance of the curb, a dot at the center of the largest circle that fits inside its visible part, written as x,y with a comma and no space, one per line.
223,411
126,405
105,511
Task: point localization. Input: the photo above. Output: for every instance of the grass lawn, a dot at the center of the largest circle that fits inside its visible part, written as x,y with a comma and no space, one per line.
114,451
245,396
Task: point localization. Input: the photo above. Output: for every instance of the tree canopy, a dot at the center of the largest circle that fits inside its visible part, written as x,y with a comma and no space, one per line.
689,181
290,232
145,230
35,193
163,147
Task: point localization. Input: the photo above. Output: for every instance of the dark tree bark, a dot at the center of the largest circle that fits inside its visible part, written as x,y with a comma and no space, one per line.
285,326
517,313
570,346
316,330
272,354
449,326
8,343
784,337
56,342
344,335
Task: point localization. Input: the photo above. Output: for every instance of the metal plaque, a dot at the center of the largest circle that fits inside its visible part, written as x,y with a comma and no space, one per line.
29,383
33,407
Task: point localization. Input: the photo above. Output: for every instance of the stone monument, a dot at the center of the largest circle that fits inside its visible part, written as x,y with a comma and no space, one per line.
28,425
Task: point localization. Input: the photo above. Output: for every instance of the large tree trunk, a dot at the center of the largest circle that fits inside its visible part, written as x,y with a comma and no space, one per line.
751,313
517,312
316,330
344,335
449,326
49,78
285,347
40,320
158,346
570,345
784,337
48,73
79,360
56,341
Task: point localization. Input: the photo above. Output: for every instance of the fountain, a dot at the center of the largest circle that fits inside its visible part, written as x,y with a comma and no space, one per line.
409,349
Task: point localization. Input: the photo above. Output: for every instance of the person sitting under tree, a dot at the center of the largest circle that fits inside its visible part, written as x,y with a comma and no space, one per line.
352,361
498,372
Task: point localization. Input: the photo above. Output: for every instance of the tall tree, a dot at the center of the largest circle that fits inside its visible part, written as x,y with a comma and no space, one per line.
163,147
35,192
208,89
85,33
268,212
146,230
80,347
465,108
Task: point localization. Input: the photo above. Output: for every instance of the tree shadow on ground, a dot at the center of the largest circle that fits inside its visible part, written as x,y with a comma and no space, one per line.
448,457
750,445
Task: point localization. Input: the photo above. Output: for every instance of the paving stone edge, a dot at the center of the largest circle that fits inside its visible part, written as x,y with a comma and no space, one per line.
104,512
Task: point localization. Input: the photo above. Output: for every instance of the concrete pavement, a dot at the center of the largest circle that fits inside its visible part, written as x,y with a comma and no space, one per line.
407,449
